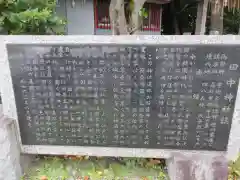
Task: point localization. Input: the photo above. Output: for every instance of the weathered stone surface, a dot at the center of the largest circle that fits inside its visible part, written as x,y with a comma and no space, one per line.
197,167
12,163
26,161
220,168
9,151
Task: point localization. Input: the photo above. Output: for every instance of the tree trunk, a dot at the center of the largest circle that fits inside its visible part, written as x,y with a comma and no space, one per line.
176,27
167,20
117,17
113,17
177,17
123,28
221,16
217,16
201,17
136,20
118,20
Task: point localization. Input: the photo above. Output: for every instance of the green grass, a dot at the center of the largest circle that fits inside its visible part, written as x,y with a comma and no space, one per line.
94,169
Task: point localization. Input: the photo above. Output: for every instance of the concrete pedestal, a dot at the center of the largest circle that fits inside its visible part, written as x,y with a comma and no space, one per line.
197,167
10,168
12,162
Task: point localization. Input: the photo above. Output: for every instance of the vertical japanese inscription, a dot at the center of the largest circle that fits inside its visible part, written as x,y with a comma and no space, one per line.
177,97
173,95
194,96
217,78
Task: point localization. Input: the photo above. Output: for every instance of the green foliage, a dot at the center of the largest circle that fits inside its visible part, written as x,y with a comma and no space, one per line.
231,21
52,168
93,169
185,13
234,169
32,17
143,13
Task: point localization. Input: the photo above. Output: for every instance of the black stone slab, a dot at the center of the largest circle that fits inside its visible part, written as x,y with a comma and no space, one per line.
163,96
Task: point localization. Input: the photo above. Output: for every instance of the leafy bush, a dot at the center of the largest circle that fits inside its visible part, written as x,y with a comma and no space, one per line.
32,17
234,169
95,168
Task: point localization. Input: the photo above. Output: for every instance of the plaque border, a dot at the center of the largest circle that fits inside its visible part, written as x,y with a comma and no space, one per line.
9,106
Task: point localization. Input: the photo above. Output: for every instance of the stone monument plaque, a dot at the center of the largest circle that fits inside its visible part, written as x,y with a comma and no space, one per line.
162,96
122,94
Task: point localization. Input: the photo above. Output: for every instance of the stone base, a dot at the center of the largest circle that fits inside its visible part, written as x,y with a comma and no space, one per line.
26,162
12,163
197,167
214,33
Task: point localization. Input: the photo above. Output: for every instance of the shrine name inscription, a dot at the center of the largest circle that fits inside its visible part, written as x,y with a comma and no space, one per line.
154,96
